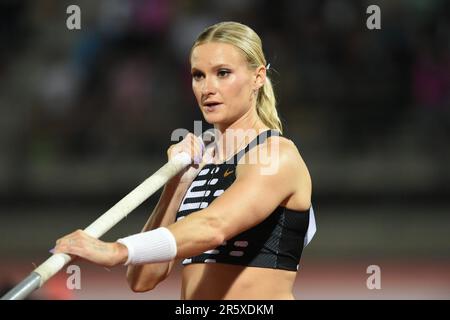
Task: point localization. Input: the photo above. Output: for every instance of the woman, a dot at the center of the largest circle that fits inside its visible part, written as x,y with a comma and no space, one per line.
239,226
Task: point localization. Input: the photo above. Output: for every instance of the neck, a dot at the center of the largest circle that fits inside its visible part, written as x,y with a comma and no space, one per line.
235,136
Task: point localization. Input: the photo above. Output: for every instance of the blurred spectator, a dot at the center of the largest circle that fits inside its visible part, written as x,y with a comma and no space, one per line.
118,87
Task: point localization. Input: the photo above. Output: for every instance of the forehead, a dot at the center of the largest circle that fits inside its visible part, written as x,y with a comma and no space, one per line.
214,53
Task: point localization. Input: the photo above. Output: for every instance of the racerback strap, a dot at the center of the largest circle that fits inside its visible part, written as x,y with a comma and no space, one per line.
256,141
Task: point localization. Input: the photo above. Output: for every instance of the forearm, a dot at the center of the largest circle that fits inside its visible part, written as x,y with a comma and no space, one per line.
145,277
165,210
197,233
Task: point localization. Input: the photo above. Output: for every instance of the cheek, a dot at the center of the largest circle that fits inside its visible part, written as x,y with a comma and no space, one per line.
238,88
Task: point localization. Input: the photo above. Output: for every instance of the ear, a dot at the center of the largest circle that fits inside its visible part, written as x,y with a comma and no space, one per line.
260,77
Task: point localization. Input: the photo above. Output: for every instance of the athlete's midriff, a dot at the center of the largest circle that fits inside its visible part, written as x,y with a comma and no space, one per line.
201,281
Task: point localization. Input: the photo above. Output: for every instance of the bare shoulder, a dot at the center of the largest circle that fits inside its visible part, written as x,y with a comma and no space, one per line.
288,154
279,156
293,171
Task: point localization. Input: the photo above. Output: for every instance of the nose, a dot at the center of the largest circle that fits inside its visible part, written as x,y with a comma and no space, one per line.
208,86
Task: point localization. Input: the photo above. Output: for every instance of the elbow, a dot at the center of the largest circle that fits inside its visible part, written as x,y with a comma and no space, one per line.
143,285
137,287
140,288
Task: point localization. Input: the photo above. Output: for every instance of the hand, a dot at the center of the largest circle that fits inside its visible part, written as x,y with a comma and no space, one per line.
193,146
80,244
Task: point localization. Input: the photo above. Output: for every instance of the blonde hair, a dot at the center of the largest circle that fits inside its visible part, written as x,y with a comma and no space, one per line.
244,38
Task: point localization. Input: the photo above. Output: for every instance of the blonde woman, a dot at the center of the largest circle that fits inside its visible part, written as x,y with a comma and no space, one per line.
240,216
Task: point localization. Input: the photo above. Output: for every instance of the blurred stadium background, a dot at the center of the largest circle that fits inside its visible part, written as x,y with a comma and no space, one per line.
87,115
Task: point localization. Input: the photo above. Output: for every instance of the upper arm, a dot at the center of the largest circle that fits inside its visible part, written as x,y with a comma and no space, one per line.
259,188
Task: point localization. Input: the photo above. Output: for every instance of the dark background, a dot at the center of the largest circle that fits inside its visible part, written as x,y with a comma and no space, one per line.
86,115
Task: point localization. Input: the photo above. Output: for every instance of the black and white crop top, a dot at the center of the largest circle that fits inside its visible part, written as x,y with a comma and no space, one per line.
277,242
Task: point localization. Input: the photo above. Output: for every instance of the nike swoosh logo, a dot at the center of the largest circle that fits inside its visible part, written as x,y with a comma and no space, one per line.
227,173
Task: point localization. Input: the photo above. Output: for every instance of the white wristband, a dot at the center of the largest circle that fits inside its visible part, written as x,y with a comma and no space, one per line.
157,245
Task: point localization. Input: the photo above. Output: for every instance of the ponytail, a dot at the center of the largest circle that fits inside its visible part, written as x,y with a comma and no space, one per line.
266,107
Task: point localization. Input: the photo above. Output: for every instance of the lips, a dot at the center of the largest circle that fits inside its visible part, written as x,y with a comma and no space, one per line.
211,105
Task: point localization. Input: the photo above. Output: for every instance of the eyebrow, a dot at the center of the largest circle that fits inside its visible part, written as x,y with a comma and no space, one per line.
218,66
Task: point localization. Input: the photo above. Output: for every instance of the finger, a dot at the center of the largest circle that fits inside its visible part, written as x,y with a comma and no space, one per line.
190,147
197,150
197,158
70,241
69,248
202,146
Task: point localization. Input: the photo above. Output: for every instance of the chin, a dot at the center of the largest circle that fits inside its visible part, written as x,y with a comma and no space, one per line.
213,118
